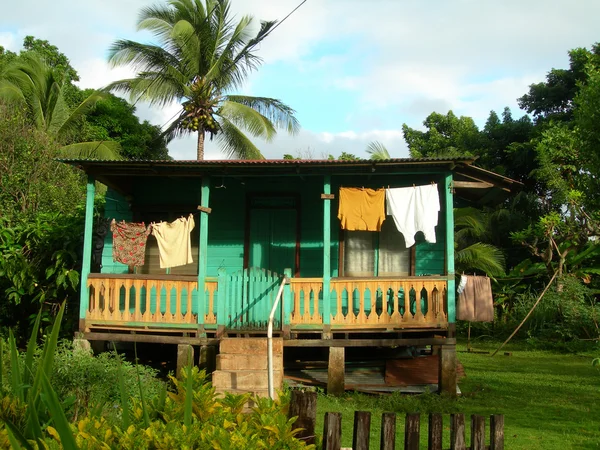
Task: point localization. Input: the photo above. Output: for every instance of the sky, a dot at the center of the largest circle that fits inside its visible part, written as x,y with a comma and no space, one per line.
354,70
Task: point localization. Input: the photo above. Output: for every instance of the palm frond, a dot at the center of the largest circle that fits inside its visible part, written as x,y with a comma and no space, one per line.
378,151
235,143
92,150
482,257
248,118
80,111
281,115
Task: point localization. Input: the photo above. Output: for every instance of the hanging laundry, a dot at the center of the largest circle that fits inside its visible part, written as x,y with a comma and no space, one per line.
414,209
361,209
475,302
129,242
174,243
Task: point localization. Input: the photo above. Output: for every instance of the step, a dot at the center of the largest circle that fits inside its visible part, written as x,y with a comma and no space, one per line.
246,380
249,346
228,361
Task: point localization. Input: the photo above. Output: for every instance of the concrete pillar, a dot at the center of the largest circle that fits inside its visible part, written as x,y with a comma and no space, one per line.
82,344
447,370
335,372
207,359
185,357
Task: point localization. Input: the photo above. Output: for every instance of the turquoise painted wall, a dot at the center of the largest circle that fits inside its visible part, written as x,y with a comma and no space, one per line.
116,207
228,218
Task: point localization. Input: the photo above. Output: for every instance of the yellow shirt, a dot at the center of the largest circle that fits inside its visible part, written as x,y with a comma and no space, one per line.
361,209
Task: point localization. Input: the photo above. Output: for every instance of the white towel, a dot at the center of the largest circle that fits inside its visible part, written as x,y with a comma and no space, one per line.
414,209
174,244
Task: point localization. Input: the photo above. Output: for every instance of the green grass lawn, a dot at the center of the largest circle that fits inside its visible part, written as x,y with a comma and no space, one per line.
549,400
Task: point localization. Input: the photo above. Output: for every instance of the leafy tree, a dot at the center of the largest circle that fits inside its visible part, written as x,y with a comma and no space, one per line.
553,98
447,136
114,119
378,151
347,157
203,56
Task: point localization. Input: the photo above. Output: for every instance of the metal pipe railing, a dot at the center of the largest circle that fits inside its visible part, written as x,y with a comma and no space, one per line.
270,337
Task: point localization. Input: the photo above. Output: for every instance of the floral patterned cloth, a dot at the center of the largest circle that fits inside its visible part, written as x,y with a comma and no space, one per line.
129,242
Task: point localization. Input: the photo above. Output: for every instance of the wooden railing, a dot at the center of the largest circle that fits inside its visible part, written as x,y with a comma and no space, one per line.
372,302
242,300
131,300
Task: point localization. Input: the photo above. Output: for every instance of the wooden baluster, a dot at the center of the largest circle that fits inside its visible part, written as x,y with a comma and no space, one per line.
210,316
137,311
148,315
296,293
112,287
362,315
395,318
306,315
419,316
127,284
94,305
339,316
407,317
316,318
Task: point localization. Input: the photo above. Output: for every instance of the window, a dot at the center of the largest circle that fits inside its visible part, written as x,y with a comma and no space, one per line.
384,254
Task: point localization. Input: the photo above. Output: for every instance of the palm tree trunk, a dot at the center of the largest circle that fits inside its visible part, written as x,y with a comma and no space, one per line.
200,150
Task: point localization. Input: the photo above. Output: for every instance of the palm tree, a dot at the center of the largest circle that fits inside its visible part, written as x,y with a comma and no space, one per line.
378,151
203,56
470,227
30,82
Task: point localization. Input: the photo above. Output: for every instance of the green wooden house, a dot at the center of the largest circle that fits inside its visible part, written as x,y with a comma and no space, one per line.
260,222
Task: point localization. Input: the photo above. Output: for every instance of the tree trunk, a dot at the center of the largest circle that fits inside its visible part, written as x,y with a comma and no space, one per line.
200,152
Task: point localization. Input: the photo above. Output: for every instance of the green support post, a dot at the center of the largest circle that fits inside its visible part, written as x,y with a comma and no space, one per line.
87,250
450,249
221,296
327,252
203,249
287,304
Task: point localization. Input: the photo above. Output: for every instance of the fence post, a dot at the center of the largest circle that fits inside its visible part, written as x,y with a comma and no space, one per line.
457,432
303,405
497,432
411,431
388,431
436,427
332,431
362,430
336,371
477,432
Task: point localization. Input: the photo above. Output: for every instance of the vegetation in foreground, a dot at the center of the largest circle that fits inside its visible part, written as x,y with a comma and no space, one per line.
550,400
59,397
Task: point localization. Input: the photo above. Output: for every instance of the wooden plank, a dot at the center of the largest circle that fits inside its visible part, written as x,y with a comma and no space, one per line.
332,431
131,276
477,432
368,342
436,427
148,338
327,196
362,430
471,185
457,432
497,432
412,430
303,405
388,432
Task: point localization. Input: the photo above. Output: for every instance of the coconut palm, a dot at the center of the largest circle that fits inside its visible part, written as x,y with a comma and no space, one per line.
470,227
29,81
378,151
202,57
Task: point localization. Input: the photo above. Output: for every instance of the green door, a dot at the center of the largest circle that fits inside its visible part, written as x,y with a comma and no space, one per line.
273,235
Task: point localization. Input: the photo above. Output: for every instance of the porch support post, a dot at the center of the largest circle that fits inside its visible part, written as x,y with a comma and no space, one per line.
286,306
327,252
450,248
87,252
203,250
336,371
447,369
185,358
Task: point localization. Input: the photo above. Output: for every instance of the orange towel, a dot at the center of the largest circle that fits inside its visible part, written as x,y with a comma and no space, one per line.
361,209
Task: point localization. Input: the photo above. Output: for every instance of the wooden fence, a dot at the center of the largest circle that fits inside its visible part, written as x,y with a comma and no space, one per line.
303,406
332,432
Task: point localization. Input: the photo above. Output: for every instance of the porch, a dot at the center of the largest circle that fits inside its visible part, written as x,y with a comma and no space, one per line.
241,302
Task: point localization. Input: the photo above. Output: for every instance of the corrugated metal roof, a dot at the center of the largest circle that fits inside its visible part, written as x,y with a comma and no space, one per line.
245,162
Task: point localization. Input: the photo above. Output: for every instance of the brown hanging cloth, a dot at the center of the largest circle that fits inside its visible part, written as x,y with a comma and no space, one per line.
475,301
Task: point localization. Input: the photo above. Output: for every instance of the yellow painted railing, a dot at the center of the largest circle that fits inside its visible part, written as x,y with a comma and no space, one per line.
372,302
131,299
